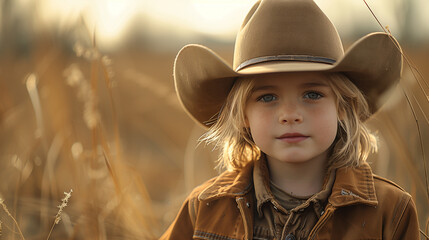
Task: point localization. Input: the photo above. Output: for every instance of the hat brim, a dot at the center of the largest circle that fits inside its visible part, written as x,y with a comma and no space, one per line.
203,79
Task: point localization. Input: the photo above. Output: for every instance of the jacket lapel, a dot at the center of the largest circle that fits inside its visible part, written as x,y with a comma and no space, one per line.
353,185
232,184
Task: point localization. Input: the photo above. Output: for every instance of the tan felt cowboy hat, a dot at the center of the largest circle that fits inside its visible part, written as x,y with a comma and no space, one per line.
284,36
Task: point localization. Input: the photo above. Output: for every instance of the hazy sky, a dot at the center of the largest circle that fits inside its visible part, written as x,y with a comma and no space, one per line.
219,18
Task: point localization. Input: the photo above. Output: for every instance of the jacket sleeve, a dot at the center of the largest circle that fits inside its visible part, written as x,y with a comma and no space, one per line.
407,226
183,226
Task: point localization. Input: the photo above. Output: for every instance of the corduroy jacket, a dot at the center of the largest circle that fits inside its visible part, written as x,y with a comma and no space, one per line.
361,206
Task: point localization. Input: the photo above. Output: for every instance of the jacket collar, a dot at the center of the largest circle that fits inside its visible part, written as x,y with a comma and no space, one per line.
353,185
229,184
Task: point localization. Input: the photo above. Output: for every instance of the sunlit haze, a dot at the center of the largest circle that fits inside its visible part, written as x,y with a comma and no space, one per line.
110,19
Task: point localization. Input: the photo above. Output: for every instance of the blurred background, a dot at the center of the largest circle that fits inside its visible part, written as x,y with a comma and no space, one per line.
87,103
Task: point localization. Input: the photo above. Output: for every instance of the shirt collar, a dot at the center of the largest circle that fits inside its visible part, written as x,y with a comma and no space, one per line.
264,194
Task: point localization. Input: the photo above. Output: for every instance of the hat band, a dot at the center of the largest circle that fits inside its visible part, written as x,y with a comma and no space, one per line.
301,58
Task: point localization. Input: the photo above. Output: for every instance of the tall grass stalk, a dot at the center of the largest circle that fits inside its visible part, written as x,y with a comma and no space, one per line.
61,207
108,83
10,215
417,76
96,64
424,87
123,199
413,67
48,177
31,84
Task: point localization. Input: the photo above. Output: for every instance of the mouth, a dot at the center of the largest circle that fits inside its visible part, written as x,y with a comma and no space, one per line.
292,137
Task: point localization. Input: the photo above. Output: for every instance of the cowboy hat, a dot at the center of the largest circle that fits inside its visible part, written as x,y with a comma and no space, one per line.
284,36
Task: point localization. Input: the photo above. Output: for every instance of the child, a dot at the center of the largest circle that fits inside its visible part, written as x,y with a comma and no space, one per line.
289,119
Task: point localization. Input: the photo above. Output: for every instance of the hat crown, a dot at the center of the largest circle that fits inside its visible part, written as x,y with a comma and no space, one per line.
286,28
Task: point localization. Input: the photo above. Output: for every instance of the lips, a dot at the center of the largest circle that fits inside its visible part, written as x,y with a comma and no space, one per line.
292,137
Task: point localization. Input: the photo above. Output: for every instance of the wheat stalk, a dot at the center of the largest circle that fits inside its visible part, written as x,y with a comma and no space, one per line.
61,207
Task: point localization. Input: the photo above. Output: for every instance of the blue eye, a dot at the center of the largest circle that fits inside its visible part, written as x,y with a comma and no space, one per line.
313,95
267,98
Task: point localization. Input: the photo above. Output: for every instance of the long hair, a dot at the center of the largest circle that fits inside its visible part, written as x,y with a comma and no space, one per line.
351,146
354,141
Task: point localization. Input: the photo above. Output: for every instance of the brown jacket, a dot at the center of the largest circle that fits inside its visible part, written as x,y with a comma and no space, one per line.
361,206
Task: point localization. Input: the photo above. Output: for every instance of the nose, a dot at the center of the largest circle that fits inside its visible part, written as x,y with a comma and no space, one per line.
289,114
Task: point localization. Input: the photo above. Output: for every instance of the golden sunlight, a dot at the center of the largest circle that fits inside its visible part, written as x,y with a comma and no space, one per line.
108,18
218,17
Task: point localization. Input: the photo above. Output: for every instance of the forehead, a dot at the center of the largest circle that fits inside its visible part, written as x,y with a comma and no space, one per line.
296,78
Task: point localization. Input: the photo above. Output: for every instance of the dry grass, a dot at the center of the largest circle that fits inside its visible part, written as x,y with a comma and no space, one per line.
11,217
407,151
68,144
111,129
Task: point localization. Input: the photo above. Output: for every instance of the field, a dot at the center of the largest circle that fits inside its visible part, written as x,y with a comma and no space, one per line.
104,134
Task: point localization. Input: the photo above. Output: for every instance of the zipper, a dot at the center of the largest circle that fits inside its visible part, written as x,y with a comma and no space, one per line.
326,215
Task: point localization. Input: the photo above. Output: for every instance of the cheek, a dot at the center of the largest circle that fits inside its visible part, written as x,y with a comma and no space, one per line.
325,122
330,126
257,122
256,117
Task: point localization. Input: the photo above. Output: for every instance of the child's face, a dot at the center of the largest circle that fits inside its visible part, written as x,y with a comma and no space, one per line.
292,116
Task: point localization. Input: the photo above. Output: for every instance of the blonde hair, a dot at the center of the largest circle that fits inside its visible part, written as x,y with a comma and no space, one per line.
351,147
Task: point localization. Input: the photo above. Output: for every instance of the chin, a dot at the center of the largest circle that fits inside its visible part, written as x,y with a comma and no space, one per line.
292,159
